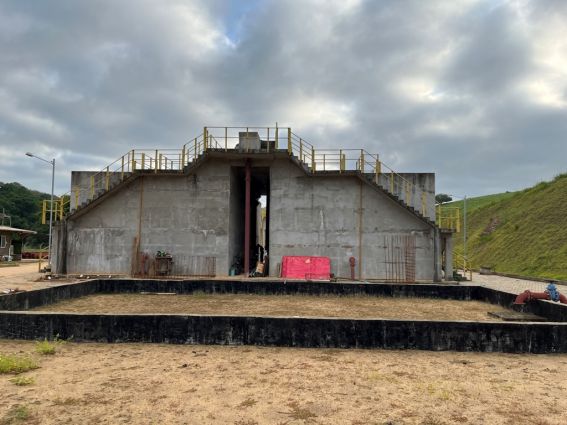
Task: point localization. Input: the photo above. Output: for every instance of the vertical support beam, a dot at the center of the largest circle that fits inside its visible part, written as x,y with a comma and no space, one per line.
268,139
205,138
122,169
107,185
247,219
277,136
341,169
313,163
362,161
143,161
195,144
183,156
225,139
392,183
133,161
289,147
448,257
156,162
43,211
360,233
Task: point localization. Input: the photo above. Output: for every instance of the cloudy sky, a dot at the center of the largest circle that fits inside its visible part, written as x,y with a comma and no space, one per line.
475,91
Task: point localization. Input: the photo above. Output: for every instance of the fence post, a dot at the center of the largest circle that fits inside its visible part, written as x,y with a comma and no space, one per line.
289,147
107,179
341,169
313,163
183,155
92,188
133,161
300,150
205,138
122,169
362,161
268,139
225,139
43,211
277,136
392,182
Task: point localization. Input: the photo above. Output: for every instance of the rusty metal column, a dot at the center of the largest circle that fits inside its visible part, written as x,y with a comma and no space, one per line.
247,220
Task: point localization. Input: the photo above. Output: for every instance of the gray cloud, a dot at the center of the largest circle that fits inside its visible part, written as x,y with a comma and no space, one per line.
472,90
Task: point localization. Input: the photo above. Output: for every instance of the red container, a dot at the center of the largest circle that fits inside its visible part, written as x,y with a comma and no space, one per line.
299,267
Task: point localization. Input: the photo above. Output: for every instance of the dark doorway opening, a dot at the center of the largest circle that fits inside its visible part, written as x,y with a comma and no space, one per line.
249,244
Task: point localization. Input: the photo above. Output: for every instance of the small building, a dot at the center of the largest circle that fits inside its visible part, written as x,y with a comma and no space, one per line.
201,207
11,248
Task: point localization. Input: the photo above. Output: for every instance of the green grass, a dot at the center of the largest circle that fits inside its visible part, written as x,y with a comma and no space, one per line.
16,364
17,414
22,380
528,235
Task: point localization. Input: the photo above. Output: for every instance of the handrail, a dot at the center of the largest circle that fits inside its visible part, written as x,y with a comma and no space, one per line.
274,138
465,265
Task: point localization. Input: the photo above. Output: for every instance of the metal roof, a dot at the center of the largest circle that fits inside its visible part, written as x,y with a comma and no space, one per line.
15,230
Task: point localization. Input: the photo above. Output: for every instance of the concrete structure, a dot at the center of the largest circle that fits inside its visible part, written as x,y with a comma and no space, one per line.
491,336
197,213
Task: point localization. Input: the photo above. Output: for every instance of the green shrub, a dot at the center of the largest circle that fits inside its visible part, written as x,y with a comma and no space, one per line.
16,364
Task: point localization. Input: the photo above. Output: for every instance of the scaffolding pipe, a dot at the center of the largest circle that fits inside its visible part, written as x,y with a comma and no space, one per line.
247,220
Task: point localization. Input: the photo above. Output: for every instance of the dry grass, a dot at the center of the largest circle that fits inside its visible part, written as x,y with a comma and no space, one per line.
175,384
281,305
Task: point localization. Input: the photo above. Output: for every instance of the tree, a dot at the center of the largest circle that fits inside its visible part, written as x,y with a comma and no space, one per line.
441,198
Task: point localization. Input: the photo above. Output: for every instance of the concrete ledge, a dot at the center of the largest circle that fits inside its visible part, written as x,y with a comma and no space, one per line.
290,332
510,337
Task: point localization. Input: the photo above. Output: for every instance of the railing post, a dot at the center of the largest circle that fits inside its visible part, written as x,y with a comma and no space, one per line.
300,150
160,160
313,163
183,156
277,136
92,188
423,204
61,210
324,161
205,138
43,211
107,179
156,166
133,161
362,161
289,147
122,169
392,182
268,139
378,170
341,169
143,161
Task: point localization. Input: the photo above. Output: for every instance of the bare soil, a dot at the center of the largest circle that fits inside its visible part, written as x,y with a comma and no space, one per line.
176,384
279,305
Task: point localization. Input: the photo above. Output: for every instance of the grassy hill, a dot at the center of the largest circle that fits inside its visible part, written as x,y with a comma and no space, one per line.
521,232
24,207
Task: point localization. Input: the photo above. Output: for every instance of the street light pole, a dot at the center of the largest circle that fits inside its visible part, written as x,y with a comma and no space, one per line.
52,162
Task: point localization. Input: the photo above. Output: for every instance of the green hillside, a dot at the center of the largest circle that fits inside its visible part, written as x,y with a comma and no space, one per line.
24,207
521,232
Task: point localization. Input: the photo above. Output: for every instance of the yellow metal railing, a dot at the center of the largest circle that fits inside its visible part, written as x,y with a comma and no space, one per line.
271,138
462,264
449,218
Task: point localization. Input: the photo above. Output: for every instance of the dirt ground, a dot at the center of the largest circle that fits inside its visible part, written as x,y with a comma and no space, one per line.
173,384
280,305
26,276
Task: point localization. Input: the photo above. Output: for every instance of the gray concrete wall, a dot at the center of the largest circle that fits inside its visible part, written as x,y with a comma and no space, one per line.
419,183
183,215
81,185
320,216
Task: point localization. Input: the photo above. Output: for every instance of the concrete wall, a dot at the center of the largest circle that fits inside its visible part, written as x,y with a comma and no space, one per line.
183,215
281,331
81,185
340,217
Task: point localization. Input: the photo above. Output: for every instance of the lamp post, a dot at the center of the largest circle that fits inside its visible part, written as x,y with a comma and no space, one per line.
52,162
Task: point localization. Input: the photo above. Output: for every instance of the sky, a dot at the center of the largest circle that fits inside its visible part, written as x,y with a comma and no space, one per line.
472,90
